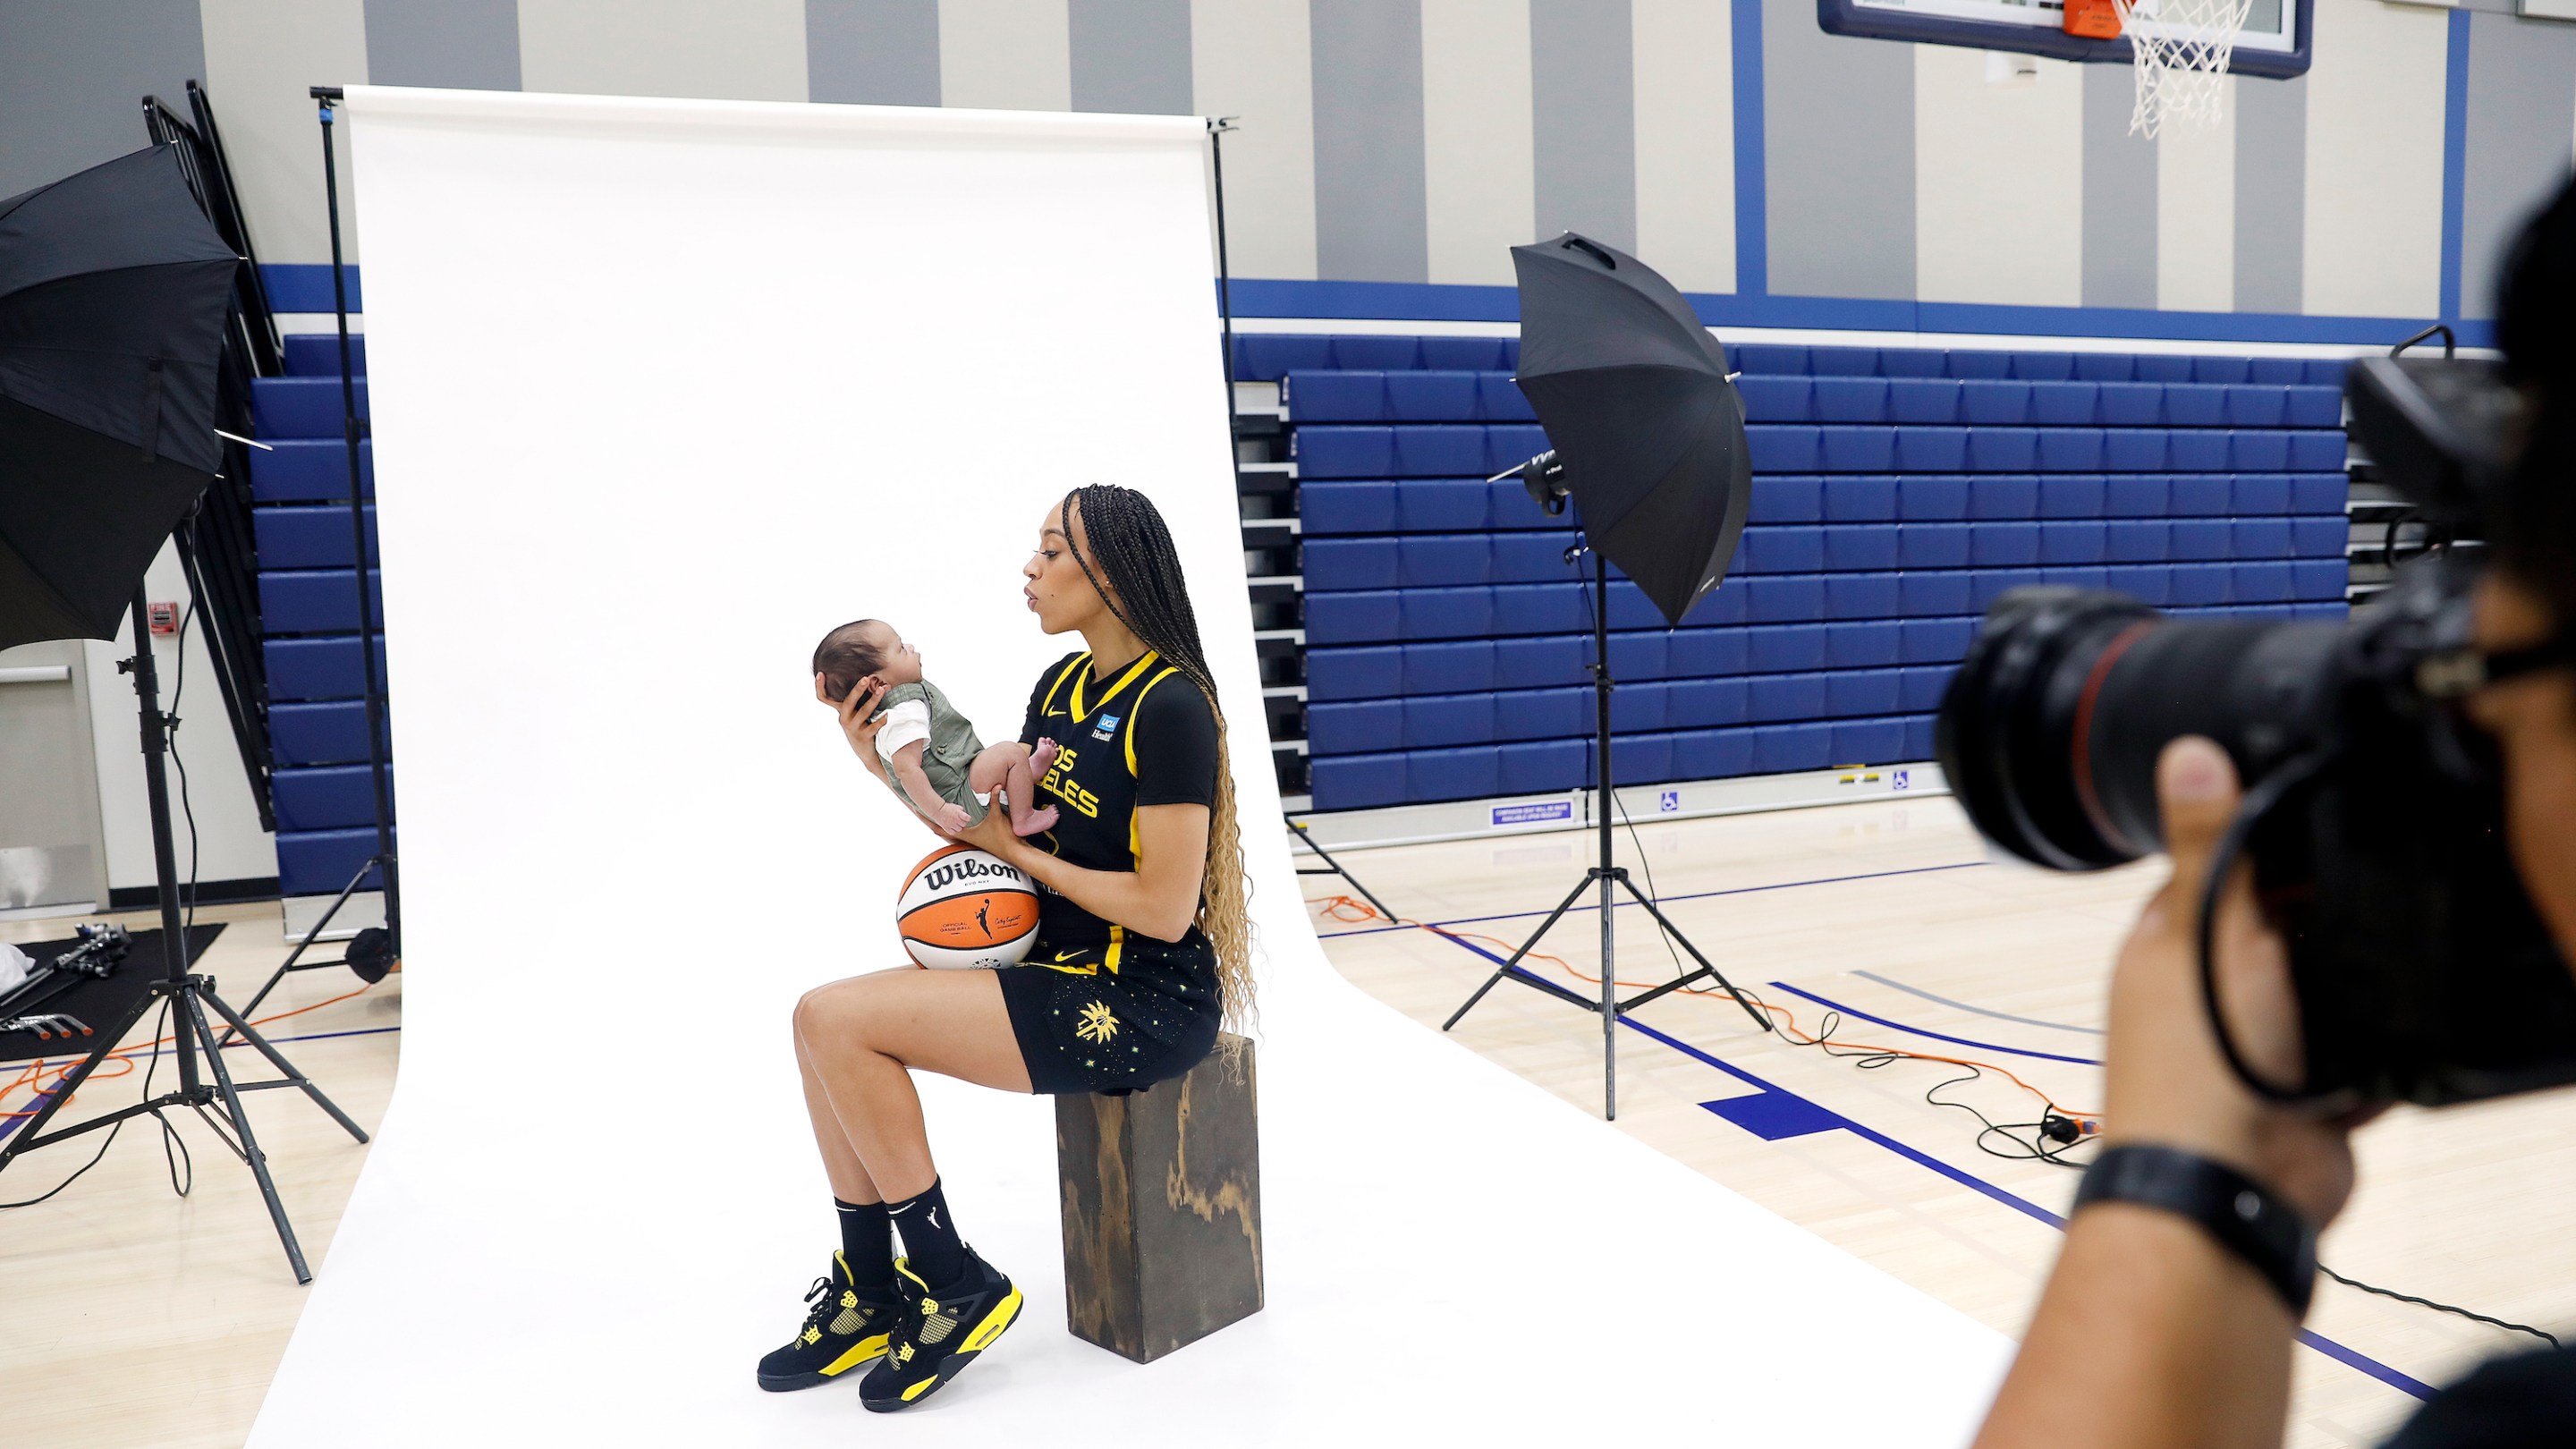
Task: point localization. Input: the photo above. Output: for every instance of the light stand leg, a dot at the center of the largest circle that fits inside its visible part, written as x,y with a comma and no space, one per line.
1506,969
286,1069
31,1134
1706,967
258,1160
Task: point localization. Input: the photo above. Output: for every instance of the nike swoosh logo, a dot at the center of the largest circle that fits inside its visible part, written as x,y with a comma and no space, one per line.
1066,955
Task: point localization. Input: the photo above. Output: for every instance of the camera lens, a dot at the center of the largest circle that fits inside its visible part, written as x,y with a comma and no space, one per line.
2050,730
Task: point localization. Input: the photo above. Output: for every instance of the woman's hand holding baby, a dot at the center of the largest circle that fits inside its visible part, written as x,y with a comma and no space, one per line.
993,835
854,708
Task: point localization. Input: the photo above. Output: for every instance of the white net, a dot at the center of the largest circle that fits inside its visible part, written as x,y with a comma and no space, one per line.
2182,48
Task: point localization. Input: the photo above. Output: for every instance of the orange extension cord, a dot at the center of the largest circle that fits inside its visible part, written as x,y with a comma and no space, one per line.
1343,909
38,1074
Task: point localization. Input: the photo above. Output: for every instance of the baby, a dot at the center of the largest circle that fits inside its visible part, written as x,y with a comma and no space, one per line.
933,760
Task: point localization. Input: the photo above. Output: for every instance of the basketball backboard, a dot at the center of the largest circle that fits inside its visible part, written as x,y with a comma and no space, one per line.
2274,42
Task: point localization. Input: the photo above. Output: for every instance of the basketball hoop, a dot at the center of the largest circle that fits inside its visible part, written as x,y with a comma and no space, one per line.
2182,48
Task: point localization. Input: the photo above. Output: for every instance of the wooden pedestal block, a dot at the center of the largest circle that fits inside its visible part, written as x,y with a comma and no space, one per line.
1162,1210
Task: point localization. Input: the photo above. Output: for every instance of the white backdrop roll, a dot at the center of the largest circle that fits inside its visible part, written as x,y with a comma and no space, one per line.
662,390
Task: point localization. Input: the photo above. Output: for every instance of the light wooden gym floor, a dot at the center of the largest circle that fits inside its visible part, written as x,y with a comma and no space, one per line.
2465,1206
131,1317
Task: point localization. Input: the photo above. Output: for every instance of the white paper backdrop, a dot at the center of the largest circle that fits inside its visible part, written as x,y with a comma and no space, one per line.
662,390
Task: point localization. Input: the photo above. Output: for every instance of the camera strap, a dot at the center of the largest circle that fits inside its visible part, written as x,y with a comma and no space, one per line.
2457,672
2266,1233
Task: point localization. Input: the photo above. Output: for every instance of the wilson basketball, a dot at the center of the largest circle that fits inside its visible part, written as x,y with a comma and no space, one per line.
962,907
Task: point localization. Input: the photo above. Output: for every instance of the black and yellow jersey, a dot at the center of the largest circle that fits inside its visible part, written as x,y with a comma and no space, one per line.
1143,736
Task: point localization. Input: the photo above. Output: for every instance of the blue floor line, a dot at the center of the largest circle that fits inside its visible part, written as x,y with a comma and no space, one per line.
1983,1046
1664,900
2351,1358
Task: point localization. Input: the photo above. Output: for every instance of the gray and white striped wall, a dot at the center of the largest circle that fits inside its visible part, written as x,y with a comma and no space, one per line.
1391,149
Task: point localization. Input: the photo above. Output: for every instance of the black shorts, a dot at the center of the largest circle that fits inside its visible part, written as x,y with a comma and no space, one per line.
1083,1028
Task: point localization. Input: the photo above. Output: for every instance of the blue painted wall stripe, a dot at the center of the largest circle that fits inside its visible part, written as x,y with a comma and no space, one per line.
1752,211
306,287
1435,302
2455,160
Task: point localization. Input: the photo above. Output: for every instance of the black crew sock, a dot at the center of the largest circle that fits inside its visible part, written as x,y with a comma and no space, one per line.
937,1254
867,1242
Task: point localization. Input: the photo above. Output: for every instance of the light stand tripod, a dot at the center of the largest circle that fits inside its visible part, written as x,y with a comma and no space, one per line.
188,995
1604,876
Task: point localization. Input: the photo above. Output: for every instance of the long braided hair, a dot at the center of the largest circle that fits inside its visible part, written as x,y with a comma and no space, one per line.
1137,574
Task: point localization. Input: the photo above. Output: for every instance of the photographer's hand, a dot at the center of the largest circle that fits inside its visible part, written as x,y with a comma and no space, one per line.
2166,1082
2150,1333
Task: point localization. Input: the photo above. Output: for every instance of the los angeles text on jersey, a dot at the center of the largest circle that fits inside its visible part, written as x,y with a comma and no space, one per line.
1060,783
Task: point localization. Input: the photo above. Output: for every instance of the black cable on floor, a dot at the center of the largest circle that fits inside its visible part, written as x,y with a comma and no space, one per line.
2452,1309
149,1068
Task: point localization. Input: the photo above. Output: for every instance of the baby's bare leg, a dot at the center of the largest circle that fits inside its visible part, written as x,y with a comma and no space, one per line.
1006,768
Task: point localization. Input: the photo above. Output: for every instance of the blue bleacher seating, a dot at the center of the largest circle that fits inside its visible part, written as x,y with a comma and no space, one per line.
1897,492
330,733
316,862
304,469
330,798
317,668
317,354
308,538
301,407
315,601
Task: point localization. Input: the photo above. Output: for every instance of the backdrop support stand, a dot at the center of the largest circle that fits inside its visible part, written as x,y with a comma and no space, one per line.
1609,878
353,430
1335,867
1217,127
189,995
294,959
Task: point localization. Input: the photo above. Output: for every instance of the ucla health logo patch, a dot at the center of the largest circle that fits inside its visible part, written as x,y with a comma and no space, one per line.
1107,726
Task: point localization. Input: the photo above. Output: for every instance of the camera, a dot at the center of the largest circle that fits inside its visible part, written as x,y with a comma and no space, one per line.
2373,814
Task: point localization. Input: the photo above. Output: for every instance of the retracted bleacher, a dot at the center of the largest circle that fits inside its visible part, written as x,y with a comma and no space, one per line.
1897,491
309,617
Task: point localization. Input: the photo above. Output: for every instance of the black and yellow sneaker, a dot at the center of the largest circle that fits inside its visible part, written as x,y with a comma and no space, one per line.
942,1331
845,1326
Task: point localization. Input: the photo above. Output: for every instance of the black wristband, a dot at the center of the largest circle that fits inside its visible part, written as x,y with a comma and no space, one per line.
2267,1233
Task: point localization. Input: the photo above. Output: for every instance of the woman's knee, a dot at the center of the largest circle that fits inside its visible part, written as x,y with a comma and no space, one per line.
833,1015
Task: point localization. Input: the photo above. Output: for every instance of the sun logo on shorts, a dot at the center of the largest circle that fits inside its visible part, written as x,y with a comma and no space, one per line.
1097,1024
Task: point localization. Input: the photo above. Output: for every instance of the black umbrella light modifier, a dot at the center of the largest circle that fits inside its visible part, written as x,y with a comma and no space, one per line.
1636,399
113,289
1649,442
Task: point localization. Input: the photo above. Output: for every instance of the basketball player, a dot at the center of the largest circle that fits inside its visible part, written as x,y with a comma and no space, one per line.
1142,953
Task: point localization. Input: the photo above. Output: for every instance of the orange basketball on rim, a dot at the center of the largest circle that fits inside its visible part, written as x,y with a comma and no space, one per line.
963,907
